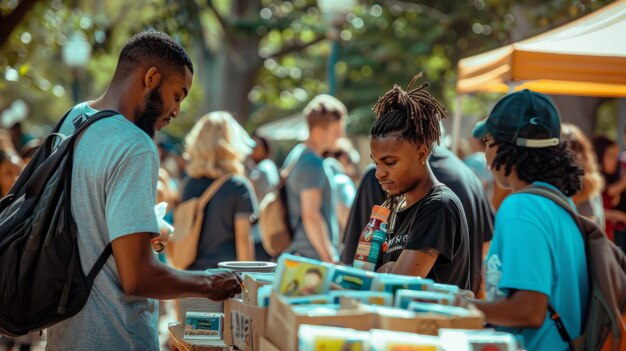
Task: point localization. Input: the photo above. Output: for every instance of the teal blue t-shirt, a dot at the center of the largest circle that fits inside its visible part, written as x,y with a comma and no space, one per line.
538,247
114,182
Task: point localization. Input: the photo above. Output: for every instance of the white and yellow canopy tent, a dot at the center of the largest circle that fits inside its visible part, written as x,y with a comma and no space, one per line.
586,57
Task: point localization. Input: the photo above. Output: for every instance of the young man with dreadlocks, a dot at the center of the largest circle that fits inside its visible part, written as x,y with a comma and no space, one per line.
430,236
537,255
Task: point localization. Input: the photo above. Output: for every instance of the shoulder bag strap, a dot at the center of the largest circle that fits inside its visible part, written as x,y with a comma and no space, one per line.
560,200
287,170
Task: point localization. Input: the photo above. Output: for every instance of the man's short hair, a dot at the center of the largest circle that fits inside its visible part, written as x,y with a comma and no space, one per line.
323,110
152,49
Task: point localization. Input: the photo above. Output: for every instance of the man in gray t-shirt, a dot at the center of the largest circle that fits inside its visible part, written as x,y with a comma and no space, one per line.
310,184
114,178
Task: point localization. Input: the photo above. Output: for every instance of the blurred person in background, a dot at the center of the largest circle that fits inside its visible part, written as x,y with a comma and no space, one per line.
263,174
18,136
260,169
11,167
28,150
340,159
5,142
588,200
310,185
477,162
215,147
169,157
614,195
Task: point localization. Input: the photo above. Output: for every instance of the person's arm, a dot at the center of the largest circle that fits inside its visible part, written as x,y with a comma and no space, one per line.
523,309
614,215
141,274
417,263
243,238
314,224
617,188
342,212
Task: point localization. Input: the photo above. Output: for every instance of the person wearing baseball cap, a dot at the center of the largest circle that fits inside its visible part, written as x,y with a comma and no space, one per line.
537,255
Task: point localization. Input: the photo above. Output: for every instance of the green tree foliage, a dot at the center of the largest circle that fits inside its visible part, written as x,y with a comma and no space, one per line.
265,59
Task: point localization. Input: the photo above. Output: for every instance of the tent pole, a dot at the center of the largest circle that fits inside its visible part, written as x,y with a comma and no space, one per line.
456,122
621,123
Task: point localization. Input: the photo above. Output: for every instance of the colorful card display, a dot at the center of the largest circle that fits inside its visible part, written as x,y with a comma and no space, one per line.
392,282
319,338
405,297
366,297
353,278
201,325
298,276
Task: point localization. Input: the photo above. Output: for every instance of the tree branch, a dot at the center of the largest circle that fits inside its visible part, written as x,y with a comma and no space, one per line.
12,20
292,48
421,8
225,25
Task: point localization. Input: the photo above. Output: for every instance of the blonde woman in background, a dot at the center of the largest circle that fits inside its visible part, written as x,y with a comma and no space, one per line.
588,200
217,146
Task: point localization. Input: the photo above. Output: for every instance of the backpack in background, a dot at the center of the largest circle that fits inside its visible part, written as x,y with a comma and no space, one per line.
41,280
182,247
604,326
273,215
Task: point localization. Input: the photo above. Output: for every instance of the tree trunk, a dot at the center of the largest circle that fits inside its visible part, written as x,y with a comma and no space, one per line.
237,64
10,22
237,74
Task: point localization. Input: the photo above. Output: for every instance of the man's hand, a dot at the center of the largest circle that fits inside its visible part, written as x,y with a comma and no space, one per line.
222,285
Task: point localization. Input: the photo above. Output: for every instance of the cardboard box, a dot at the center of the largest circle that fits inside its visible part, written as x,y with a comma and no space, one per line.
267,345
244,325
283,322
400,320
428,323
251,287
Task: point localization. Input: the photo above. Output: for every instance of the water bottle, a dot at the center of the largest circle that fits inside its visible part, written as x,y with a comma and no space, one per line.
372,238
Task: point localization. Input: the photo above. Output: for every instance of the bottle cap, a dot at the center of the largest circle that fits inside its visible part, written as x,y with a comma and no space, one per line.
381,213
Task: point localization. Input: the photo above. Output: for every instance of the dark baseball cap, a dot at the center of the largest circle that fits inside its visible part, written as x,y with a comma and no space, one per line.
517,111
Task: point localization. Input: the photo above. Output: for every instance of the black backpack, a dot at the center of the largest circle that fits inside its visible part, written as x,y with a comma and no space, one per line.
604,325
41,278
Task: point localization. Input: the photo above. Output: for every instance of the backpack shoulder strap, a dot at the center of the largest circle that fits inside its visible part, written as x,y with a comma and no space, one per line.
557,198
94,118
560,199
284,173
57,127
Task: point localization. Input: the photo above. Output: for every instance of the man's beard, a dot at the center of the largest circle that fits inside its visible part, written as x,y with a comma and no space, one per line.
153,109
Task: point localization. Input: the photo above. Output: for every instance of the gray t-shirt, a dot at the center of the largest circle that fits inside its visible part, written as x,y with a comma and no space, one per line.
114,182
309,172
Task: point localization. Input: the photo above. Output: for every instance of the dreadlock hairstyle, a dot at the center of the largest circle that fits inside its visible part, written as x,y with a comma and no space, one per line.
554,165
413,115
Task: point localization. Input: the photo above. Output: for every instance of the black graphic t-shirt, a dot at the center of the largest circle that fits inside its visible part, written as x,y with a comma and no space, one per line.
436,222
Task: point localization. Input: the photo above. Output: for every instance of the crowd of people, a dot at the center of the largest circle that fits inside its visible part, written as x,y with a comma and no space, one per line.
444,226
